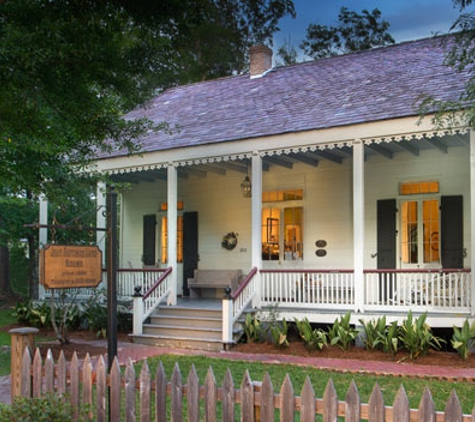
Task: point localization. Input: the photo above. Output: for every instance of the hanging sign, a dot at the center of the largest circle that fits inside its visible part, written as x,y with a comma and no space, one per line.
68,267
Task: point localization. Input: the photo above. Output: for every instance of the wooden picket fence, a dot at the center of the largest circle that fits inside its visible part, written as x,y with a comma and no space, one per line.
149,398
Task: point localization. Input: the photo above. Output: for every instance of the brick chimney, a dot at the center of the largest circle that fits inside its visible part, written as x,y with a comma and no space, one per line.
260,60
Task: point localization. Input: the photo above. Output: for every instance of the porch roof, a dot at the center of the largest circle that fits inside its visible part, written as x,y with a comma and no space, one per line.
373,85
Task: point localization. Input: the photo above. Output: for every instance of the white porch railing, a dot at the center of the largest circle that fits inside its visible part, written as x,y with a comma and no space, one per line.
436,290
129,278
327,289
235,303
421,290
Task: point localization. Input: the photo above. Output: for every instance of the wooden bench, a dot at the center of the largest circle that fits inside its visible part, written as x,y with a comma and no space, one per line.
213,279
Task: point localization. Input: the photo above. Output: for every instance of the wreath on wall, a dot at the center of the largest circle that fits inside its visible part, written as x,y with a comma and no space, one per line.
229,241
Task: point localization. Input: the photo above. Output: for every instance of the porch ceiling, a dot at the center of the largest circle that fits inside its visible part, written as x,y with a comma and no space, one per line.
311,158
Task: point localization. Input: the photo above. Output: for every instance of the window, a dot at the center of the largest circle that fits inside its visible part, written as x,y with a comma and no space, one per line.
282,195
282,233
420,231
293,237
164,239
415,188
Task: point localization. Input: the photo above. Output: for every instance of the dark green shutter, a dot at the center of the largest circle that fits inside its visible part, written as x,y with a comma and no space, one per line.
149,236
451,227
386,245
386,233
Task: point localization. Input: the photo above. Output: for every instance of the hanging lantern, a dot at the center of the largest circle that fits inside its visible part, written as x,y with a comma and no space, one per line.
246,188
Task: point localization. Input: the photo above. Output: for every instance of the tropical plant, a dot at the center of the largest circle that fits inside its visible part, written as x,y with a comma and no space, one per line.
375,331
380,336
279,333
463,339
416,336
390,341
341,333
32,314
313,338
252,328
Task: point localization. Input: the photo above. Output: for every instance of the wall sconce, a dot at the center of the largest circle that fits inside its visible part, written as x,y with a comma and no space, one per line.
246,187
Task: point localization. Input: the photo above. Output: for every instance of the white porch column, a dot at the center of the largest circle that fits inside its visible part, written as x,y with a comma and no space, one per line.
472,218
256,223
358,222
101,235
172,214
43,234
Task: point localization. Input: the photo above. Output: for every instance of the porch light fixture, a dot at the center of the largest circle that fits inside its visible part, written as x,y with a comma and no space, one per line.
246,187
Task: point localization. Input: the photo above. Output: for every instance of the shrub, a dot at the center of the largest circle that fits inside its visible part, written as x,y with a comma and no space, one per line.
313,338
51,408
416,336
341,333
31,314
463,339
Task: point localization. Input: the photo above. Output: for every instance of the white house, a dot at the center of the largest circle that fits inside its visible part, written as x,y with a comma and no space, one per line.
356,203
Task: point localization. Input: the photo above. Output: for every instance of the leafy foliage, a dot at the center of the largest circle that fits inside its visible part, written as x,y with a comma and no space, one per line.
50,407
380,336
33,314
313,338
374,330
463,339
287,53
279,334
95,313
252,328
416,336
459,111
354,32
69,71
341,333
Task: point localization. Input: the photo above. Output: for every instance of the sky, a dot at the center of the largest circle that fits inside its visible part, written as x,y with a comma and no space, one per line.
409,19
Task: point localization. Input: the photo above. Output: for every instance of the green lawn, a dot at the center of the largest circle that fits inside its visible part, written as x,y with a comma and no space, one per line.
319,378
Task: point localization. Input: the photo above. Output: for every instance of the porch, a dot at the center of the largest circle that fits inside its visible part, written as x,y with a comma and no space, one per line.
319,295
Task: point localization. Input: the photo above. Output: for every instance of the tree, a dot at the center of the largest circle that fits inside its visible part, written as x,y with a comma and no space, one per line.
211,39
354,32
15,211
69,70
461,57
287,53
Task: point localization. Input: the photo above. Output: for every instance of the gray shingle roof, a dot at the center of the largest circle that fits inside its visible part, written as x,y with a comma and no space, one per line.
379,84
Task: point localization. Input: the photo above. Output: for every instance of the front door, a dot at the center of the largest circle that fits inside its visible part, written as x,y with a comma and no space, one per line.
420,232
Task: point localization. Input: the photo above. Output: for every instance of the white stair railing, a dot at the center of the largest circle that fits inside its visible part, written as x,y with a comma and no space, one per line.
235,303
146,304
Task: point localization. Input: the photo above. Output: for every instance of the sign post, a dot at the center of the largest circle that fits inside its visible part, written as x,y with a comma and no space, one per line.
111,276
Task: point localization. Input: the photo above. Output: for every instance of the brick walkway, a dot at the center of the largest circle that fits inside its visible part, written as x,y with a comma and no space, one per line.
138,352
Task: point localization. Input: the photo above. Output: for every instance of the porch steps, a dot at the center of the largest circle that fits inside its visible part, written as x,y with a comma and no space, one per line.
185,327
